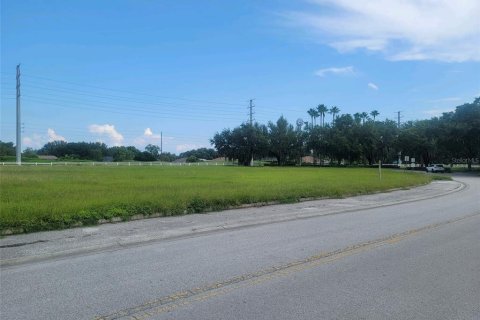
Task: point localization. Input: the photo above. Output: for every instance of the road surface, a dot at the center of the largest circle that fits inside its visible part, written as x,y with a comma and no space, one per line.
413,260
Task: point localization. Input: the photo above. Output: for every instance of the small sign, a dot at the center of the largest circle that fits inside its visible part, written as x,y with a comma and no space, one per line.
407,158
413,160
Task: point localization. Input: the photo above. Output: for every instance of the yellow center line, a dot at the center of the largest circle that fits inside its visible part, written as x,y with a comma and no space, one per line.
186,297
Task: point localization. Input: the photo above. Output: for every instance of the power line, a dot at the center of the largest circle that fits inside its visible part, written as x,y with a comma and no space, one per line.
117,106
110,99
131,92
138,112
69,91
86,93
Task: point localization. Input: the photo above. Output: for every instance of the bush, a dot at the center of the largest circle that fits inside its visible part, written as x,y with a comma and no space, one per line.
145,156
192,159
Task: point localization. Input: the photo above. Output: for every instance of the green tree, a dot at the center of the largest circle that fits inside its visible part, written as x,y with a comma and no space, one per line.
7,149
386,135
167,157
357,118
192,158
368,138
154,150
334,111
461,131
29,153
121,153
322,110
364,116
419,139
54,148
374,114
344,144
318,141
283,141
201,153
312,113
242,143
144,156
223,142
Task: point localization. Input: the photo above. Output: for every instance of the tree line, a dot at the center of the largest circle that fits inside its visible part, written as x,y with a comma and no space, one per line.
96,151
360,138
335,138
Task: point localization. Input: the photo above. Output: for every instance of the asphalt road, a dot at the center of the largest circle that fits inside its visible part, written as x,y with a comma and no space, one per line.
417,260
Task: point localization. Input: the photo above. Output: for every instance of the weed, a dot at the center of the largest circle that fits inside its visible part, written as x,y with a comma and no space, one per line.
45,198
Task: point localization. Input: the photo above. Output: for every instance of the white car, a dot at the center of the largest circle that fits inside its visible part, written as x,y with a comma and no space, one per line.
436,168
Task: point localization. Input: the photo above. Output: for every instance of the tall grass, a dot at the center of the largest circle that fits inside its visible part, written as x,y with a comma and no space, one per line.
45,198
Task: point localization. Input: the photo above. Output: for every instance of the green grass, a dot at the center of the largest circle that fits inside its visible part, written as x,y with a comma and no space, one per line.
46,198
440,176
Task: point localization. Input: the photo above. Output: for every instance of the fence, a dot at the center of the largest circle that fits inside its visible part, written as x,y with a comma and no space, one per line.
116,164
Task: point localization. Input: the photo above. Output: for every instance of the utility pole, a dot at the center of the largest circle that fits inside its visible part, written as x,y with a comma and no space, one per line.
251,127
251,111
161,142
400,153
19,125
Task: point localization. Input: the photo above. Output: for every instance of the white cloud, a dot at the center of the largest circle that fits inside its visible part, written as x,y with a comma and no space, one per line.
335,70
442,30
37,141
109,130
372,86
148,132
149,137
349,45
53,136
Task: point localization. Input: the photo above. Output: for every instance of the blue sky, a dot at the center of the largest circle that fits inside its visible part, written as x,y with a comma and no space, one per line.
121,72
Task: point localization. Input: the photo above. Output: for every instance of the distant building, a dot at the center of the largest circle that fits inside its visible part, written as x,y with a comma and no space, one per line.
308,159
47,157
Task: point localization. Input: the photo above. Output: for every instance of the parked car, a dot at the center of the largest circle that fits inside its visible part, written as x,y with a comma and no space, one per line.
436,168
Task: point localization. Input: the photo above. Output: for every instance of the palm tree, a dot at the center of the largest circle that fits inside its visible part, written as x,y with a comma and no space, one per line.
358,117
311,112
315,116
334,111
374,114
322,110
364,117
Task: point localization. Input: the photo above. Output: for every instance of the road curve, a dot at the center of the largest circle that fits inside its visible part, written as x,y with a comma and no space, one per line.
412,260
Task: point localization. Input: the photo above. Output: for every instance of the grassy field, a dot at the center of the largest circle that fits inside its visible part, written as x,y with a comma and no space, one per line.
46,198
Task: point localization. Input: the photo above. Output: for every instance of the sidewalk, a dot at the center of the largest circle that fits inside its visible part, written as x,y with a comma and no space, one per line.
40,246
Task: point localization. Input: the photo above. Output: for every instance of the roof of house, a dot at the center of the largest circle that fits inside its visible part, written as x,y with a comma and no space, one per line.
47,157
